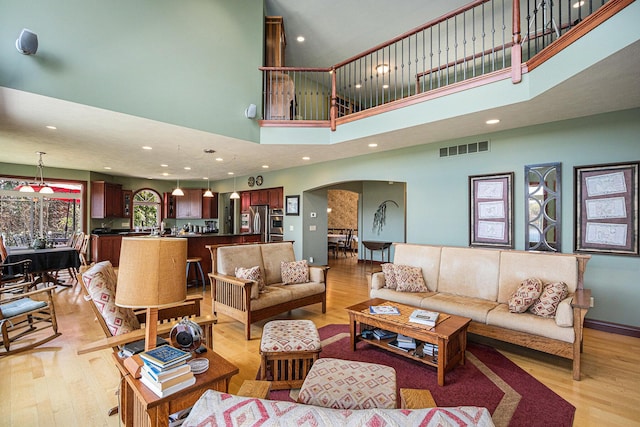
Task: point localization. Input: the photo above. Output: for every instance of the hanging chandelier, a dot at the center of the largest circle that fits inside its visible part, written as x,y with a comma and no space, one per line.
38,179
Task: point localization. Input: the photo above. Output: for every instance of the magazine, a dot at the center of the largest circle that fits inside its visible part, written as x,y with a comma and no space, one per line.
383,309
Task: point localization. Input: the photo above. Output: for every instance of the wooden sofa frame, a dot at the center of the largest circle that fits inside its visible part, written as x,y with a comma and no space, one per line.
232,296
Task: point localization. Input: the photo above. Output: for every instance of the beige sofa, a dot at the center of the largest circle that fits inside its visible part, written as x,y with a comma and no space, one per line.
217,408
477,283
232,296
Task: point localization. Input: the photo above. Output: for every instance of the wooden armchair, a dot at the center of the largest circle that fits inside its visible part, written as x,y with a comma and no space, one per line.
23,313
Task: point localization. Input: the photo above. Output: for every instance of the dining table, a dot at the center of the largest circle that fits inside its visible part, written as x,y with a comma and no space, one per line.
46,262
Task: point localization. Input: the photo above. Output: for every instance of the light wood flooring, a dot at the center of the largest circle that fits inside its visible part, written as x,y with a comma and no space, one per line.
52,386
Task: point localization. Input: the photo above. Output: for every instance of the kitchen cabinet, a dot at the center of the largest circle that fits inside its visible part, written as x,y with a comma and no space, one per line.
168,205
210,206
127,203
275,198
245,201
275,41
106,248
189,206
106,199
259,197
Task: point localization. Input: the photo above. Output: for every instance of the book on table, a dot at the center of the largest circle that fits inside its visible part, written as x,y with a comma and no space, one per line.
154,387
136,347
168,382
165,356
424,317
383,309
406,342
383,334
157,374
395,344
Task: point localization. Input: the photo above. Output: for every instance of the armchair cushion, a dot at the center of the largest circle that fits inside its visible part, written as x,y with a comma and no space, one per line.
24,305
100,282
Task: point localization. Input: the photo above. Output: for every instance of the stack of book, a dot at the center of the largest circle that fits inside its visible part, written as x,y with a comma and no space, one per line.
403,342
165,370
424,317
383,334
430,350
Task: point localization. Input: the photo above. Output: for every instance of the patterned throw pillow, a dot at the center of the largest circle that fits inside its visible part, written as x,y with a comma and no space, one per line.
409,279
294,272
524,297
389,276
100,282
255,274
551,296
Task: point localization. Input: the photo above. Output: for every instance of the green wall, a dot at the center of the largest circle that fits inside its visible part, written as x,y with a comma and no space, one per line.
172,61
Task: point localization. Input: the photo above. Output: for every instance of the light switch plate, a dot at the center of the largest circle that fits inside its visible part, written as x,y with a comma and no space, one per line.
291,228
312,228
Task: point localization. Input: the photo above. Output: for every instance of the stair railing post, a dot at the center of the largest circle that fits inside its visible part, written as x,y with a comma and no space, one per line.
516,48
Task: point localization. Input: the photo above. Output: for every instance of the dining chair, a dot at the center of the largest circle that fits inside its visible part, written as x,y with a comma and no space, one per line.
345,244
3,249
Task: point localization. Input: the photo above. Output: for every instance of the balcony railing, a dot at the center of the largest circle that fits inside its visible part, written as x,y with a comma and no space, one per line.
475,40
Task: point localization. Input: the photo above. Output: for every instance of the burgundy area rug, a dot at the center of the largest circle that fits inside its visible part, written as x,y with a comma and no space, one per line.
487,379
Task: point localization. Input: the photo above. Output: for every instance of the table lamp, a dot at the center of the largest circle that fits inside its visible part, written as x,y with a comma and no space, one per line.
151,275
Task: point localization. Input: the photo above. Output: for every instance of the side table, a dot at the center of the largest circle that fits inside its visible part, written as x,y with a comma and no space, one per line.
140,407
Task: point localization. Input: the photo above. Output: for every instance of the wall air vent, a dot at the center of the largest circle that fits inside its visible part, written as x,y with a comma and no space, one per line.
456,150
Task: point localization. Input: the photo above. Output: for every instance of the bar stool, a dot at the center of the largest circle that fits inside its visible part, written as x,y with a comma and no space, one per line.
198,263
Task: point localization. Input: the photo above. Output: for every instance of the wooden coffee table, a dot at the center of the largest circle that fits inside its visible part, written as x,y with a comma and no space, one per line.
449,334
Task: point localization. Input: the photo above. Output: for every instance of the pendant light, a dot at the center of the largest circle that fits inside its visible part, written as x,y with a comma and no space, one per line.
44,188
235,194
178,191
208,193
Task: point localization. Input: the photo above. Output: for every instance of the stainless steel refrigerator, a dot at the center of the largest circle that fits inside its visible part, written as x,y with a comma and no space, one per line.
259,221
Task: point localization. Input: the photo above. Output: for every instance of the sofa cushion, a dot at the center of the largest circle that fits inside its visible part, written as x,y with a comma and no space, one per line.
551,296
424,256
409,279
215,408
294,272
272,296
301,290
389,275
525,295
255,274
471,272
231,257
100,282
529,323
516,266
475,308
272,255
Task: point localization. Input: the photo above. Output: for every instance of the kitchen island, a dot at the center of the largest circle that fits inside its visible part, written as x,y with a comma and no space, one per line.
106,247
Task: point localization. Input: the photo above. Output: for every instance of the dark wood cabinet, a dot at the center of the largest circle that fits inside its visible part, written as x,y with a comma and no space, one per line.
127,203
168,206
259,197
189,206
106,248
106,200
209,206
245,201
276,197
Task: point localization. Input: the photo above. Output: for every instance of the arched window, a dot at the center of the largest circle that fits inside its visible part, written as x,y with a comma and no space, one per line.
147,206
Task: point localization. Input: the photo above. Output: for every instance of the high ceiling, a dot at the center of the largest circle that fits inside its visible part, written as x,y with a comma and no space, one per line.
333,30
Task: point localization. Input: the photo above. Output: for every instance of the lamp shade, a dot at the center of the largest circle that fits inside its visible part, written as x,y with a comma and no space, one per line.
151,272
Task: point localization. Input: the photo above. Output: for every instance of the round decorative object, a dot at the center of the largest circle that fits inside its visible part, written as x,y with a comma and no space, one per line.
186,335
259,180
251,181
199,365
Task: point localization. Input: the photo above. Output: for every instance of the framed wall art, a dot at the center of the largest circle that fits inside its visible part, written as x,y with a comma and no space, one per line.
491,210
292,205
606,208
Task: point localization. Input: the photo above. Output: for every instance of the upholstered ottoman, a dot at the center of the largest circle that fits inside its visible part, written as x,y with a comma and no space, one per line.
288,349
346,384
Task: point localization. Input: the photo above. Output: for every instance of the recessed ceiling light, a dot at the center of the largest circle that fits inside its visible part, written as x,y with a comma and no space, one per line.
358,86
187,168
108,168
164,166
382,69
146,147
306,158
51,127
578,4
229,173
265,166
373,145
165,174
205,177
492,121
219,159
385,86
300,39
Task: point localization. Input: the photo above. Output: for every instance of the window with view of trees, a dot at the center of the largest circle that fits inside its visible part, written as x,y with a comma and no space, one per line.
26,216
146,209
